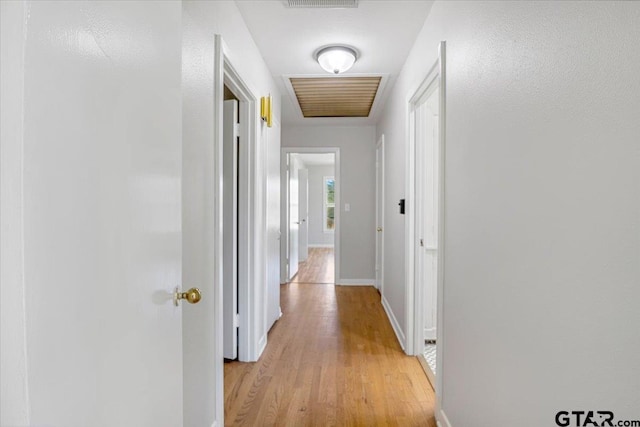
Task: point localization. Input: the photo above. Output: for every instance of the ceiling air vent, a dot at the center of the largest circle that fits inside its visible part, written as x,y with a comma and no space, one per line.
333,4
336,96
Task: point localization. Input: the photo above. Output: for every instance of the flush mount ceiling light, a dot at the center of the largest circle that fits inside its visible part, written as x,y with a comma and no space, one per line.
336,59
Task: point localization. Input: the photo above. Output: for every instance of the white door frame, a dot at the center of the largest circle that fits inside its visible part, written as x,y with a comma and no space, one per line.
213,237
285,204
251,262
380,211
251,277
414,296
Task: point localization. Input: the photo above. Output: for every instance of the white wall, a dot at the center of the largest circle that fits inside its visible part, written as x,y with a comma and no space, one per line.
358,158
542,244
201,22
317,236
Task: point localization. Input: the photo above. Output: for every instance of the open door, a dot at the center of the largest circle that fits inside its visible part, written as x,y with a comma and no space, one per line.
230,228
379,213
294,217
424,226
96,236
303,209
427,173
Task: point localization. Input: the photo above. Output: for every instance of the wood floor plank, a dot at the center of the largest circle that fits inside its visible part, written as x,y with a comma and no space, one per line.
318,267
332,360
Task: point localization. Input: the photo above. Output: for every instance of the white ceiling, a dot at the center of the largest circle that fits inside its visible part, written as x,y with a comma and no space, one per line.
382,31
316,159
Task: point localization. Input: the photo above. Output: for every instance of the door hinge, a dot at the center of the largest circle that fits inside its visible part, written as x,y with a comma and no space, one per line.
422,242
236,321
236,130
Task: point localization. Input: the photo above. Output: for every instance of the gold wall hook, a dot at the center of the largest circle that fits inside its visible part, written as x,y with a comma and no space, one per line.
192,296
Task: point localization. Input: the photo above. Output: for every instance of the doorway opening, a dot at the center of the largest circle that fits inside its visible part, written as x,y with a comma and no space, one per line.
310,215
425,221
230,236
204,329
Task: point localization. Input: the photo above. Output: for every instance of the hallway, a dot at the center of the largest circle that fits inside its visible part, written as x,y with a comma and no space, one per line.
505,216
332,359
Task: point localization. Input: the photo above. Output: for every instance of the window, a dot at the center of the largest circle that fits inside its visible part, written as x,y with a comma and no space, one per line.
329,204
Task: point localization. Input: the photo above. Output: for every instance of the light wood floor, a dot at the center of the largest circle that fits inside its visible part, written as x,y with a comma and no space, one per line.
331,360
318,268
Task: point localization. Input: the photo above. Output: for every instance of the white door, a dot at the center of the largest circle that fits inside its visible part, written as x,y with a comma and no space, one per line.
273,223
101,165
427,207
294,212
379,213
230,228
303,216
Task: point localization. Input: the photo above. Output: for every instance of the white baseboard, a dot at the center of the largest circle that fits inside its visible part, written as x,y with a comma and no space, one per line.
262,345
356,282
427,371
394,323
320,245
441,417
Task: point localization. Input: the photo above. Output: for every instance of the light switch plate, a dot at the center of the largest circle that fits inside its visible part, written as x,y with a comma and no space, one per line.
347,207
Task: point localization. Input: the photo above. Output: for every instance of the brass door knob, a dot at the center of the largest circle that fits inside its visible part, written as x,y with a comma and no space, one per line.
379,229
192,296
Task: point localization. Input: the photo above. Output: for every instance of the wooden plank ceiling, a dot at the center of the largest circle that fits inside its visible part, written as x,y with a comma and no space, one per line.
335,96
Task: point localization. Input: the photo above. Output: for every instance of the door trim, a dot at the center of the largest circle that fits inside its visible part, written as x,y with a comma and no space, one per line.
414,320
212,247
250,215
284,151
251,251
